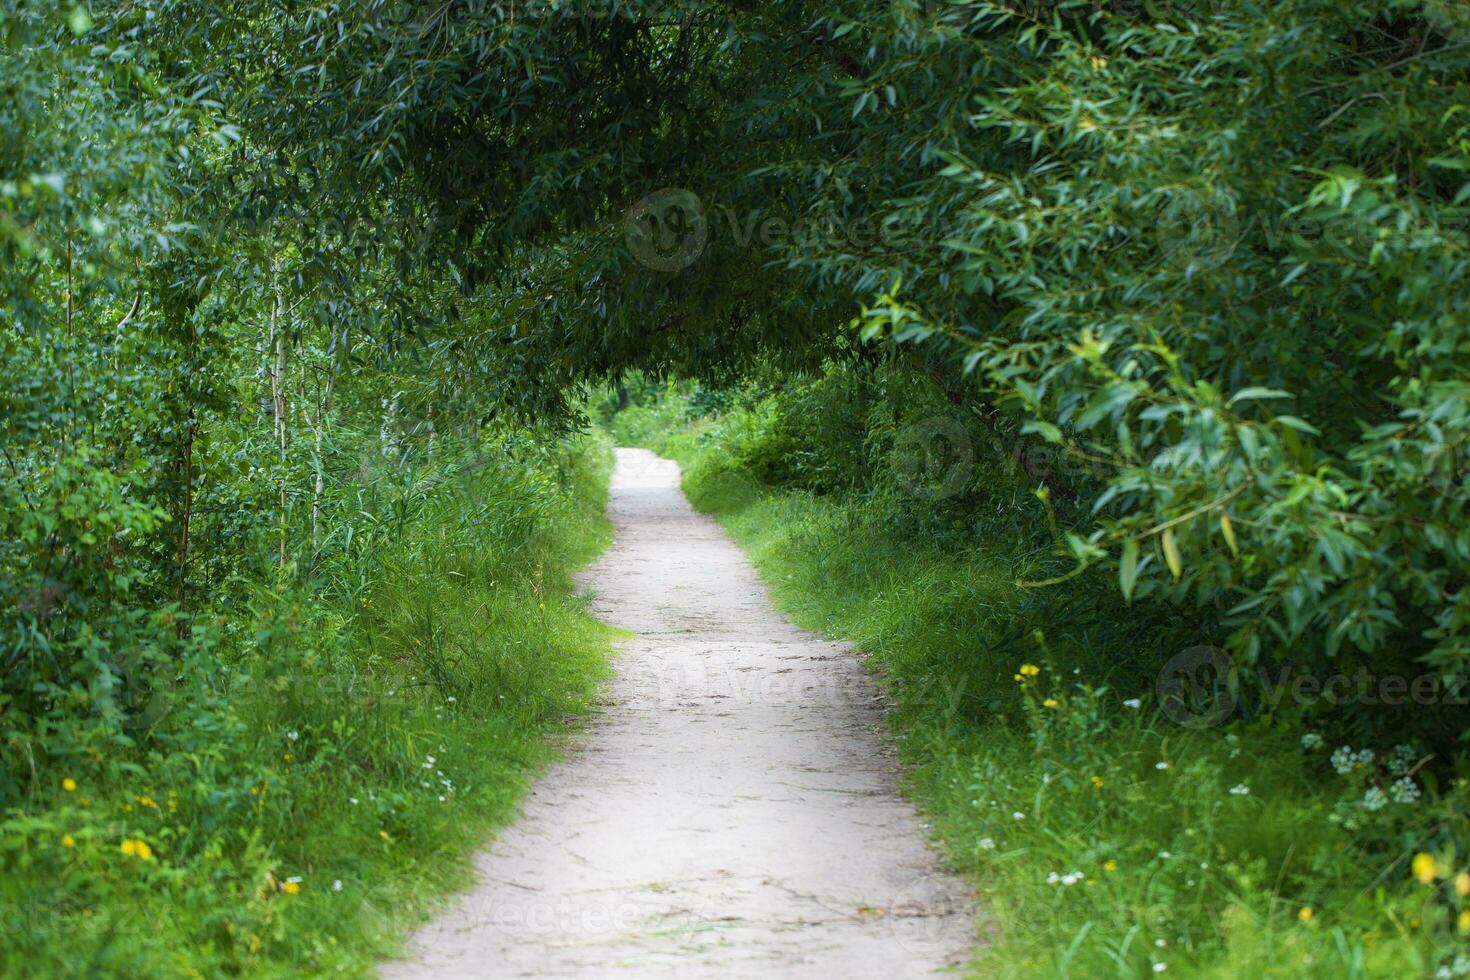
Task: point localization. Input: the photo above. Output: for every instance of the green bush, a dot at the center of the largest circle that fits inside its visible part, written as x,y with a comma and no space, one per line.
305,774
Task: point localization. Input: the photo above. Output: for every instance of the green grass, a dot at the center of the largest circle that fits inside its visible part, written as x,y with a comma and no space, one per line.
1173,868
372,739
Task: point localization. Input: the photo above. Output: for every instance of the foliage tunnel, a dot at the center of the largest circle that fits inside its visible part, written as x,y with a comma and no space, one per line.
264,265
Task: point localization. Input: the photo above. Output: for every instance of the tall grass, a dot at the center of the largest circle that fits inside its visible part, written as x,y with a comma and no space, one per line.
370,724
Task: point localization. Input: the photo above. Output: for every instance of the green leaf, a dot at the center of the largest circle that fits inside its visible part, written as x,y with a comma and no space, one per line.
1228,529
1256,394
1171,553
1301,425
1128,568
1046,430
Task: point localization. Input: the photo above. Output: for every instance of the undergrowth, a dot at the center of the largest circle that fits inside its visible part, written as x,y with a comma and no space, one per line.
297,806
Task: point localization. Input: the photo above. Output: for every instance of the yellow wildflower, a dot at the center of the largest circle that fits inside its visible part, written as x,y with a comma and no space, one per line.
69,784
1099,62
147,801
1030,670
1462,884
1110,865
1305,913
1424,868
1049,703
68,841
1097,782
1464,921
136,848
384,834
290,887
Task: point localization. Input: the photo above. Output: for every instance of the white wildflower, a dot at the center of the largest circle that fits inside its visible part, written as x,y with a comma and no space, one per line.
1404,790
986,844
1240,790
1311,741
1132,703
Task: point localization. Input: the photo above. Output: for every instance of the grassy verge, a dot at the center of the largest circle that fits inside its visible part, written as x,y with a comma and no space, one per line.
1106,840
332,781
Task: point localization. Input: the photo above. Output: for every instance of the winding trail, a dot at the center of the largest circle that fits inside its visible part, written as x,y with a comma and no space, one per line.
731,812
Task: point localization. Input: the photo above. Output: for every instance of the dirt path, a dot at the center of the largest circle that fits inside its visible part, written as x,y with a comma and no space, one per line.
731,813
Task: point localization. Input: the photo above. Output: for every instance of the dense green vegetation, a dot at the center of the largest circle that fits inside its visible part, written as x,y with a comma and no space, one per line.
1106,838
285,633
324,750
1139,323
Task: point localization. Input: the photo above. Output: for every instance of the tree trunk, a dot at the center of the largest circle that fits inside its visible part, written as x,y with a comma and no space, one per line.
336,351
278,404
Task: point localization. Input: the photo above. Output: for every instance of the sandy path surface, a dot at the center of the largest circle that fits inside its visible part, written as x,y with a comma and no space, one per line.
732,811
